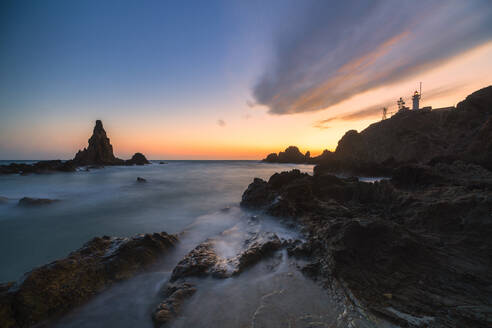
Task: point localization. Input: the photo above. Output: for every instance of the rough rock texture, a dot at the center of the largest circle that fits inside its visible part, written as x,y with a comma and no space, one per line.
420,136
55,288
137,159
99,151
28,202
203,261
415,250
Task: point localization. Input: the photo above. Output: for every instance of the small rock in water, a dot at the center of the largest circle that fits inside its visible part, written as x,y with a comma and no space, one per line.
139,179
162,162
28,201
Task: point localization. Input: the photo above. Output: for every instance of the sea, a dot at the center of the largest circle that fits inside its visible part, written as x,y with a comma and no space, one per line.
196,199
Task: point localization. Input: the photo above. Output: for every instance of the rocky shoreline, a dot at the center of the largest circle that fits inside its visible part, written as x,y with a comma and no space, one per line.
52,290
414,250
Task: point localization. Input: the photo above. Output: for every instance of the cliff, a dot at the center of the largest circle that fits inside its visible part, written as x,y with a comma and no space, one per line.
447,134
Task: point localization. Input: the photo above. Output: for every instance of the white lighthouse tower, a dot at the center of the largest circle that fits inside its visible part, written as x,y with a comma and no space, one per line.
416,98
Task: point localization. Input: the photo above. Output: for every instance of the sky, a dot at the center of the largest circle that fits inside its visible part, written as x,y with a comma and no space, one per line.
226,79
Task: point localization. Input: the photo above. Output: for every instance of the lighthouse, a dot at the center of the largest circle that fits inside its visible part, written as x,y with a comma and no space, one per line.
416,99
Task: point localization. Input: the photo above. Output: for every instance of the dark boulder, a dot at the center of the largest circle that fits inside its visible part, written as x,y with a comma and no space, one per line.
38,167
54,289
141,180
290,155
137,159
28,201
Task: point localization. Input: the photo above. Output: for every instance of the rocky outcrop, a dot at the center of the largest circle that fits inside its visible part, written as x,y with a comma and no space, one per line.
99,151
137,159
414,250
98,154
56,288
29,202
203,261
414,136
290,155
39,167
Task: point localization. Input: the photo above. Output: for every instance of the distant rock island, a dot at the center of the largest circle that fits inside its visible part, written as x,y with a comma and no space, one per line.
421,136
99,153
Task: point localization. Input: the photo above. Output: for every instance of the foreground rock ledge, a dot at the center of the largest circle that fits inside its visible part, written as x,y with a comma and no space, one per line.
415,250
53,289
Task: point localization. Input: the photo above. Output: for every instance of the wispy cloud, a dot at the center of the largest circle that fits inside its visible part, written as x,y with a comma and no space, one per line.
221,123
338,50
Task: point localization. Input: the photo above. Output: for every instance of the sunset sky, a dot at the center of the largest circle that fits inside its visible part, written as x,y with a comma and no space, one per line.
226,79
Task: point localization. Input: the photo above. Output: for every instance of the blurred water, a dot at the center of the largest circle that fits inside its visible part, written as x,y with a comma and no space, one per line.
109,201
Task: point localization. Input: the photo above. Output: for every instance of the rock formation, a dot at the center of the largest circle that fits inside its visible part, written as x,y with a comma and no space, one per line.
203,261
137,159
29,202
414,136
290,155
415,250
98,154
99,151
56,288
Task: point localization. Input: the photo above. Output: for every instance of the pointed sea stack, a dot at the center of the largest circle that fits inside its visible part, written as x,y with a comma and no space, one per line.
99,152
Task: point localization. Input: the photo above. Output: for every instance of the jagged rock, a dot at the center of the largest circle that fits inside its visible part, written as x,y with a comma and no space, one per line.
28,201
203,261
99,151
422,237
58,287
141,180
137,159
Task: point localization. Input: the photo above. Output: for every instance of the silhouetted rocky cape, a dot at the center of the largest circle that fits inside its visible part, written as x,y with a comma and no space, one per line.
98,153
462,133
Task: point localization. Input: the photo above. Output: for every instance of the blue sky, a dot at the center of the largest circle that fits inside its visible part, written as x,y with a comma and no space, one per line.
182,79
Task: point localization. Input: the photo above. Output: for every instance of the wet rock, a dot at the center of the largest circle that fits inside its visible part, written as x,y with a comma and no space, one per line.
141,180
137,159
174,296
422,237
162,162
56,288
29,202
258,248
201,261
